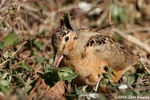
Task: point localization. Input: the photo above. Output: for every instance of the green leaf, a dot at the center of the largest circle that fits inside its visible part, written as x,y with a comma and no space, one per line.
78,90
131,92
66,69
11,39
38,44
118,12
107,76
39,59
117,37
47,67
50,77
131,79
66,73
12,10
2,25
69,77
5,75
106,68
127,73
1,45
4,82
4,89
25,66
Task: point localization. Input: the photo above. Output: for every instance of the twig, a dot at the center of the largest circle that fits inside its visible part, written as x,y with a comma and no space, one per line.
1,65
100,77
2,2
103,27
140,29
7,9
102,18
147,69
4,17
30,58
19,48
133,40
78,17
143,88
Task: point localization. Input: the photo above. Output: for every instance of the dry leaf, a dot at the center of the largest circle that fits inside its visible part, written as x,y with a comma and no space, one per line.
57,91
42,90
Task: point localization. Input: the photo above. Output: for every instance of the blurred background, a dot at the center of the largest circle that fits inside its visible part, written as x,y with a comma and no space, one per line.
26,27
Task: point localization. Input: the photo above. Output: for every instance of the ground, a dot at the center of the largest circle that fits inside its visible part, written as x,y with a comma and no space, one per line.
26,53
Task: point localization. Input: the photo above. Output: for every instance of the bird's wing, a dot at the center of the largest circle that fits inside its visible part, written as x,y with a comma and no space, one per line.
118,56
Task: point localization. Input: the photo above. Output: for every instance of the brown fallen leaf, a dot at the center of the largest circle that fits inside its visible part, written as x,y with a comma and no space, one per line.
24,54
42,90
57,91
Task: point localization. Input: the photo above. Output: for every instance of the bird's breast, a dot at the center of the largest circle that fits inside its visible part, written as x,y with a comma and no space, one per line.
87,64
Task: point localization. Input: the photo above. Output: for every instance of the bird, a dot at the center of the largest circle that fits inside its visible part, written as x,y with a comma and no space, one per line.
88,52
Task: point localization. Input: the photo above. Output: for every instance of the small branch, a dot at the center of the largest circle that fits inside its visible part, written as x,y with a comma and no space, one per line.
140,29
133,40
1,65
2,2
147,70
30,58
4,17
143,88
97,85
19,48
102,18
103,27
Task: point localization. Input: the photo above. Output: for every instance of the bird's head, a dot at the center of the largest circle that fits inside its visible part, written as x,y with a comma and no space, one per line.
63,42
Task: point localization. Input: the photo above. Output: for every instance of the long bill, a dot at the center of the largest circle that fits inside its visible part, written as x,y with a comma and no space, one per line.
57,60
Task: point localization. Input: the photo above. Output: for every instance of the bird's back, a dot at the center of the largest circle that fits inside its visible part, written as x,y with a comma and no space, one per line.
115,54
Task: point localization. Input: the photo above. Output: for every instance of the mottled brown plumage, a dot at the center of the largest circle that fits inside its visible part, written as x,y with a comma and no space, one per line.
88,52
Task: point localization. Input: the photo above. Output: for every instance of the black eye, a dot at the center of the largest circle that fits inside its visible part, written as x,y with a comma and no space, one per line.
66,38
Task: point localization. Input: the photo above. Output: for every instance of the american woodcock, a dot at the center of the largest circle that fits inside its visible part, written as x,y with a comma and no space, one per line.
88,52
